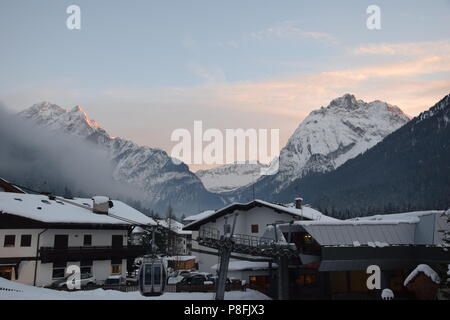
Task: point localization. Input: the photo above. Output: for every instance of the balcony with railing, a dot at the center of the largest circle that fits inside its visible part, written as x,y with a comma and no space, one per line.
51,254
246,244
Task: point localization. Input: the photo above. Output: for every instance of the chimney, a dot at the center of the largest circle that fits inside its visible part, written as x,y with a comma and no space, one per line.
298,203
101,205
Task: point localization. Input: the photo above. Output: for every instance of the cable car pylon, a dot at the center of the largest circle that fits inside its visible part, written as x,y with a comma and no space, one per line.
224,254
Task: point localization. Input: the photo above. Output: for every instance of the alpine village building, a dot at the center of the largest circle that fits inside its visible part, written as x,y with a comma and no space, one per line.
40,236
331,256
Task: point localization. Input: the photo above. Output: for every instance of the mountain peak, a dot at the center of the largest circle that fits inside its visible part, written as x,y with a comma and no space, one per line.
44,106
330,136
77,108
51,115
347,100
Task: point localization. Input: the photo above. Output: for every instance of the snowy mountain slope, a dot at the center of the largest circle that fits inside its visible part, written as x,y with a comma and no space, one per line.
150,170
330,136
327,138
407,171
230,177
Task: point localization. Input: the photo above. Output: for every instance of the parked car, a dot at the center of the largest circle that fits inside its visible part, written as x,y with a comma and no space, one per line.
86,280
116,280
194,279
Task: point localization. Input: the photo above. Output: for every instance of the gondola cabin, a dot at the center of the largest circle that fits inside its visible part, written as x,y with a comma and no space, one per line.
152,277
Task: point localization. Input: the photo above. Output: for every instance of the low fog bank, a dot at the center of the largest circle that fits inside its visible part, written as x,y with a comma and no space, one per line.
47,162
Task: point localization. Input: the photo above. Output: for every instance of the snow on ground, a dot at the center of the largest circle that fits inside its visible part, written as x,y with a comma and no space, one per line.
16,291
426,270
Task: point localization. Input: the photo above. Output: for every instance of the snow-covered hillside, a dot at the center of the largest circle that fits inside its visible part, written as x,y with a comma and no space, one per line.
149,170
230,177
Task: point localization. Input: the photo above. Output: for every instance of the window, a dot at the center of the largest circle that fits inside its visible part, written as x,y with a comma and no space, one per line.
157,274
25,240
306,279
87,241
148,271
308,239
117,241
226,228
255,228
59,268
61,241
116,266
7,273
86,267
10,240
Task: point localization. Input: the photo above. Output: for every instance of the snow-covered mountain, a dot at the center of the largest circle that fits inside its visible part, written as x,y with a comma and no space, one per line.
147,169
330,136
407,171
327,138
230,177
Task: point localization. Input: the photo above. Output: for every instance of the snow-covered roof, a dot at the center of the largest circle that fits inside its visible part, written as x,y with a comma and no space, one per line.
424,269
180,258
412,217
242,265
78,210
11,186
306,212
175,226
374,231
137,230
100,199
375,235
200,215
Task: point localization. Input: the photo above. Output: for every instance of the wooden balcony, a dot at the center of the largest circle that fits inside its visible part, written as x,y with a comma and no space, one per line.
50,254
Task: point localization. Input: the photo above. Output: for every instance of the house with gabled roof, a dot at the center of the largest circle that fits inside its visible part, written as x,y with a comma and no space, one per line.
40,236
337,254
252,220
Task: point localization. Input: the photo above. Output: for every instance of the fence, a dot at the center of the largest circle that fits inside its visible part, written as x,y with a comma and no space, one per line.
203,287
122,287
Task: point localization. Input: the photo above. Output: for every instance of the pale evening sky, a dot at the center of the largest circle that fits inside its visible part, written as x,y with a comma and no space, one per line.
145,68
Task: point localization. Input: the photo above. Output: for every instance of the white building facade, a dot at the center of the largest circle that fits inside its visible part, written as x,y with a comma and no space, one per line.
40,237
252,220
